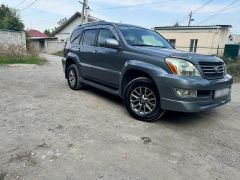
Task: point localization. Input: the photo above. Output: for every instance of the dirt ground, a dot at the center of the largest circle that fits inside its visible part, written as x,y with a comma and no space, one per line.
48,132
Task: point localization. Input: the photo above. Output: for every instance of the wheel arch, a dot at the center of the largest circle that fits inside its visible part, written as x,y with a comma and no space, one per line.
71,59
134,69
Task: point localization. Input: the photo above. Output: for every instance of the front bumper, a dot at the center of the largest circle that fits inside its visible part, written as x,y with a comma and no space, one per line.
170,101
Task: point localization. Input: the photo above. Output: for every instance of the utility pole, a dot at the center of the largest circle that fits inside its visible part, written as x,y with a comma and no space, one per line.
190,19
85,8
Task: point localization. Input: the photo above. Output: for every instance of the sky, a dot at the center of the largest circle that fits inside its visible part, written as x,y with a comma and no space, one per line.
44,14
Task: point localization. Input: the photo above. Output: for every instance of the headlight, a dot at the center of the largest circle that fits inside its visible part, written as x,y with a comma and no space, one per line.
225,69
182,67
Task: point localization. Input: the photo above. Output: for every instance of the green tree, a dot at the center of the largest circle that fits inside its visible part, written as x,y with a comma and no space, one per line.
176,24
10,18
61,22
51,33
48,33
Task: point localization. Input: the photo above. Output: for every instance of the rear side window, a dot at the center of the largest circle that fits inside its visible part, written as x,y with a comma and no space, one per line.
75,36
89,37
103,35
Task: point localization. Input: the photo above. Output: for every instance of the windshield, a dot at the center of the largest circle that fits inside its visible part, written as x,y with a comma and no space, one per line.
143,37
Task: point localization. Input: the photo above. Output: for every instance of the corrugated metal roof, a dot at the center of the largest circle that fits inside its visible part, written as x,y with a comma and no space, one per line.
192,27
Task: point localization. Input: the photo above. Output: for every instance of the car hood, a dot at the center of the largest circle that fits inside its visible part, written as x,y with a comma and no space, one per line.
192,57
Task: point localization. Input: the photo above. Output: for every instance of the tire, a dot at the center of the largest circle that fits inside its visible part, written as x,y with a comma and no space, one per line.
73,78
142,100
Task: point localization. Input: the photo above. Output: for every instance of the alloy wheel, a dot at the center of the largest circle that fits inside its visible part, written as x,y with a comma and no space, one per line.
72,78
143,100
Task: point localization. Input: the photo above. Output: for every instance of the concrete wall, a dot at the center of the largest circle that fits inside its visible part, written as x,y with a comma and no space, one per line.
47,45
12,42
54,46
210,41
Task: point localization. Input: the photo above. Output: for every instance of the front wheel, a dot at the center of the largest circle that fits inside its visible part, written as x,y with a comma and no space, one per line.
142,100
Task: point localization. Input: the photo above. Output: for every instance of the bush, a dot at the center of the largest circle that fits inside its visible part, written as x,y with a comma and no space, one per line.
234,69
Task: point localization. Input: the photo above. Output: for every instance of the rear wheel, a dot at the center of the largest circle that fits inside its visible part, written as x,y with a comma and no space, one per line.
74,78
142,100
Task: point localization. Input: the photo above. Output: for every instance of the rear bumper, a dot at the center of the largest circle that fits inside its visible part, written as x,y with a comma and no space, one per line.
64,65
170,101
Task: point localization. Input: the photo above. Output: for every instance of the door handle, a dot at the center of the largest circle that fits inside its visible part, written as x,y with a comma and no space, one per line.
78,49
95,51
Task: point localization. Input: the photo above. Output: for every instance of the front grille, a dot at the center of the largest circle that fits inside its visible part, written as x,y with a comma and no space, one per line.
212,70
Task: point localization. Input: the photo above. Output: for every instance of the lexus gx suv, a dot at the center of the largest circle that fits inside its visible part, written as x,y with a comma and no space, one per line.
141,67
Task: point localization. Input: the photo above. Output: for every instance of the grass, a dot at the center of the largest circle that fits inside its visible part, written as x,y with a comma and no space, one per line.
233,68
4,60
59,53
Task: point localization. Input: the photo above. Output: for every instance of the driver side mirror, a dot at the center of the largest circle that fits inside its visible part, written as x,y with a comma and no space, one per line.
112,43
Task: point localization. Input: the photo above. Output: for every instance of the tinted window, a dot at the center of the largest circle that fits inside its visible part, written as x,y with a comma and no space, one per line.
143,37
75,35
103,35
89,37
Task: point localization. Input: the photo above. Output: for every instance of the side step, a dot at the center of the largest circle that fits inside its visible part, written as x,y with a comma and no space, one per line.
100,86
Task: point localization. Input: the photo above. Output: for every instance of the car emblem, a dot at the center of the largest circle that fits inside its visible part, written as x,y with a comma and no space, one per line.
216,69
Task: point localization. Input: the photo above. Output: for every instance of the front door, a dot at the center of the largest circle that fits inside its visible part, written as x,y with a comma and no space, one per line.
108,62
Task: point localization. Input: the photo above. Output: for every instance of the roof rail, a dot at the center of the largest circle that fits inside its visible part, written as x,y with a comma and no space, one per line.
96,22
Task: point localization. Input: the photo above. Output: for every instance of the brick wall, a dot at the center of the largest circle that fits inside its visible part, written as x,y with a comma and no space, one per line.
12,42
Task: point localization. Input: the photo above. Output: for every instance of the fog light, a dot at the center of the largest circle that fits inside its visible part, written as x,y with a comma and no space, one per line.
184,93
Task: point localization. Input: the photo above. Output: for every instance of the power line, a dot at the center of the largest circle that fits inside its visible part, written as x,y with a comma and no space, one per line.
203,6
19,4
33,2
229,6
196,10
136,5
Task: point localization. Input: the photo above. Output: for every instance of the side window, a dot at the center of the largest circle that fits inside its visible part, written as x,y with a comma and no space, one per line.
103,35
88,38
75,36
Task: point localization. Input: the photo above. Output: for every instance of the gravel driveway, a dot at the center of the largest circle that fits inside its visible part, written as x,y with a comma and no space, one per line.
48,132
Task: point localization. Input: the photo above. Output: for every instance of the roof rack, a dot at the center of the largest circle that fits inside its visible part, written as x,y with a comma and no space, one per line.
90,23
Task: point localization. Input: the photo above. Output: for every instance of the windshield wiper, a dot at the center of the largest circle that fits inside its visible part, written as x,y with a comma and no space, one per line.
148,45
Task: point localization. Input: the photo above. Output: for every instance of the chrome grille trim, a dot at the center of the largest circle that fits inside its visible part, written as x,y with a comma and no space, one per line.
212,70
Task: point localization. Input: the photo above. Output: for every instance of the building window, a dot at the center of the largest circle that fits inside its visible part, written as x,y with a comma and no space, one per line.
172,42
193,45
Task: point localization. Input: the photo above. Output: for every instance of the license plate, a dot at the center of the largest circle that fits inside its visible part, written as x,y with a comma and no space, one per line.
221,93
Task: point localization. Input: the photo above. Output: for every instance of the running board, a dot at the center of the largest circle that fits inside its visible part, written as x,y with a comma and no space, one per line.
100,86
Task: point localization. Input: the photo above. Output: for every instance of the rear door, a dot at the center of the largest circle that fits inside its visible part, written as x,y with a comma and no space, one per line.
86,52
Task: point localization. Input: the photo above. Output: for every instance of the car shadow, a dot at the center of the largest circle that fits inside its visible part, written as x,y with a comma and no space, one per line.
185,119
104,95
170,117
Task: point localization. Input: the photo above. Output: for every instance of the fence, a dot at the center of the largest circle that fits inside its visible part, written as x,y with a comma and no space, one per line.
205,50
12,42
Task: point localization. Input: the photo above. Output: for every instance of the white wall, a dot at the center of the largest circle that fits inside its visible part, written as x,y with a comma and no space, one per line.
65,33
54,46
210,41
12,42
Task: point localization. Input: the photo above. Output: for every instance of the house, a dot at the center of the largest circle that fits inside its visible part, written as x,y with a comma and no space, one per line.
64,31
234,39
208,40
39,40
